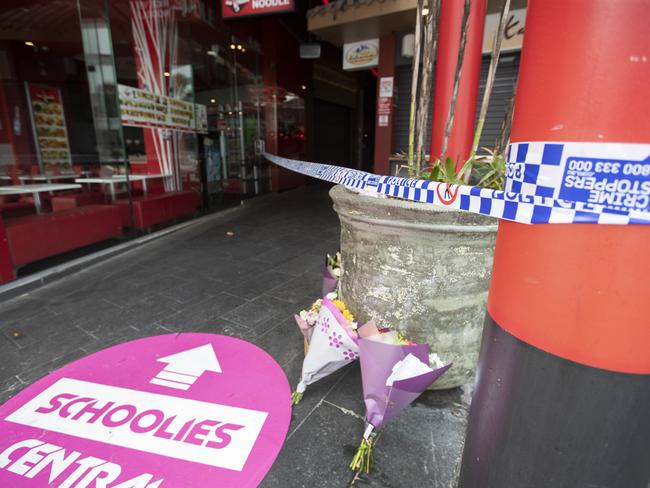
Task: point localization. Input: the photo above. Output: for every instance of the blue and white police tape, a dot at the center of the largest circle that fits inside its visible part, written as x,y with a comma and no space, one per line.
546,183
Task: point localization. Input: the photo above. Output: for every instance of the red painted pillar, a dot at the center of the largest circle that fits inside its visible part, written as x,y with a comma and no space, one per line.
451,16
563,382
384,127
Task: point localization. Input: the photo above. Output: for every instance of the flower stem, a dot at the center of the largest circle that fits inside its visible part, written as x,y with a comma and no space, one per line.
296,397
362,460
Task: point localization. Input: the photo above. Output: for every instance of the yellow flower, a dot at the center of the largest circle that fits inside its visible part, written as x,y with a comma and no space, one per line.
315,307
344,310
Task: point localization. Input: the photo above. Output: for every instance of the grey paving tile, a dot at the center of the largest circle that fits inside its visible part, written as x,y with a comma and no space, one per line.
281,339
260,284
301,291
44,327
315,394
279,255
13,361
10,387
259,310
32,374
318,454
194,291
431,443
203,314
223,327
300,264
21,307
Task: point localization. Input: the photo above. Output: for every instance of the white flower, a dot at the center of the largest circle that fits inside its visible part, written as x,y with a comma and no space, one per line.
337,272
331,296
435,361
303,314
311,319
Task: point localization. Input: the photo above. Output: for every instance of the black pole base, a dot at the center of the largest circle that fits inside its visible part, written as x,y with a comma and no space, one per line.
540,421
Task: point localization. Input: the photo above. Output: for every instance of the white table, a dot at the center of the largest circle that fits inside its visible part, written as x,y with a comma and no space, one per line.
111,181
35,190
48,178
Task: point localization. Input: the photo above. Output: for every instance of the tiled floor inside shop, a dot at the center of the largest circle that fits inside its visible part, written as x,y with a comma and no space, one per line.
247,285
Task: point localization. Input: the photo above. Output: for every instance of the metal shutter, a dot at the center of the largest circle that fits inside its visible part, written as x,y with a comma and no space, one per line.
501,94
402,110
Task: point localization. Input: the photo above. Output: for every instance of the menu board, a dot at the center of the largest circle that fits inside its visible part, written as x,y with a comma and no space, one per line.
140,108
48,123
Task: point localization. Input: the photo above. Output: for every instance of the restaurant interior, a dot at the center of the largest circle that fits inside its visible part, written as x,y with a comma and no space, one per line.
117,118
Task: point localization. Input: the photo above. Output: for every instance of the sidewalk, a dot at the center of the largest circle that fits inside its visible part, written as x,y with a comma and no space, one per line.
247,285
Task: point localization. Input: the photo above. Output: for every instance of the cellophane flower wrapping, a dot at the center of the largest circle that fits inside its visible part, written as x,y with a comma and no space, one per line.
332,345
394,372
331,273
306,319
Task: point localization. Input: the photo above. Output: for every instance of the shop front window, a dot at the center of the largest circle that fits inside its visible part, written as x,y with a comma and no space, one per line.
230,84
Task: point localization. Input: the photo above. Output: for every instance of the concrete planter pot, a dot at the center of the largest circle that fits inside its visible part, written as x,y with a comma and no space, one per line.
420,268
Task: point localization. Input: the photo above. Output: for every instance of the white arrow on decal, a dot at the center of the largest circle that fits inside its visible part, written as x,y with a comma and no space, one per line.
184,368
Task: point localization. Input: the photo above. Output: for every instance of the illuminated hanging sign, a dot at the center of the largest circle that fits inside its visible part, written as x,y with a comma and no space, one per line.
140,108
361,55
237,9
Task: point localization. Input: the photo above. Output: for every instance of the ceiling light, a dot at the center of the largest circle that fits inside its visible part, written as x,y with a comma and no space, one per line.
243,49
212,100
304,87
425,11
239,46
29,43
232,46
166,73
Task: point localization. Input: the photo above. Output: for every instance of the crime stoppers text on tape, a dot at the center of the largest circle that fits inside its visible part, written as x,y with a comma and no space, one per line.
546,183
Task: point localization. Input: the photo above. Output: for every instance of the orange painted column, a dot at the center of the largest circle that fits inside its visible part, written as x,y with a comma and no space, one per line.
462,133
563,384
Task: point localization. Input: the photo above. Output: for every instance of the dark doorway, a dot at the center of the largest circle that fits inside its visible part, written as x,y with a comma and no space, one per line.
333,134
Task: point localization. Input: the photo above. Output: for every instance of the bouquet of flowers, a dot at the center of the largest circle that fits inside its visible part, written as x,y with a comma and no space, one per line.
394,372
331,273
307,319
330,329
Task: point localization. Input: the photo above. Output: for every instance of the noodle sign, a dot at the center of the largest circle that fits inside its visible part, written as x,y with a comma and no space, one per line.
176,410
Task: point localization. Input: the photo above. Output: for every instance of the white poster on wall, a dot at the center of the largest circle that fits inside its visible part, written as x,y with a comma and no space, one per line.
361,55
386,86
514,30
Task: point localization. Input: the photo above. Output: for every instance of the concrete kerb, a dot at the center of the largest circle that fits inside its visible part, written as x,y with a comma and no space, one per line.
34,281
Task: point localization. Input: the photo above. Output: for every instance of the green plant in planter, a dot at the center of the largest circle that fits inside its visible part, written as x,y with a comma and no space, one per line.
486,170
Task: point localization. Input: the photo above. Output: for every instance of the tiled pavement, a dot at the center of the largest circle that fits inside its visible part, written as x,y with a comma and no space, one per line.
247,285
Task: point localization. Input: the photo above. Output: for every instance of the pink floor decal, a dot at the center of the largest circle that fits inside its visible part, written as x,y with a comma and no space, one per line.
176,410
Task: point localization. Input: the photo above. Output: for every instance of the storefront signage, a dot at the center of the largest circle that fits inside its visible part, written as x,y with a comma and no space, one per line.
385,101
168,411
237,9
361,55
140,108
514,30
386,86
48,123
